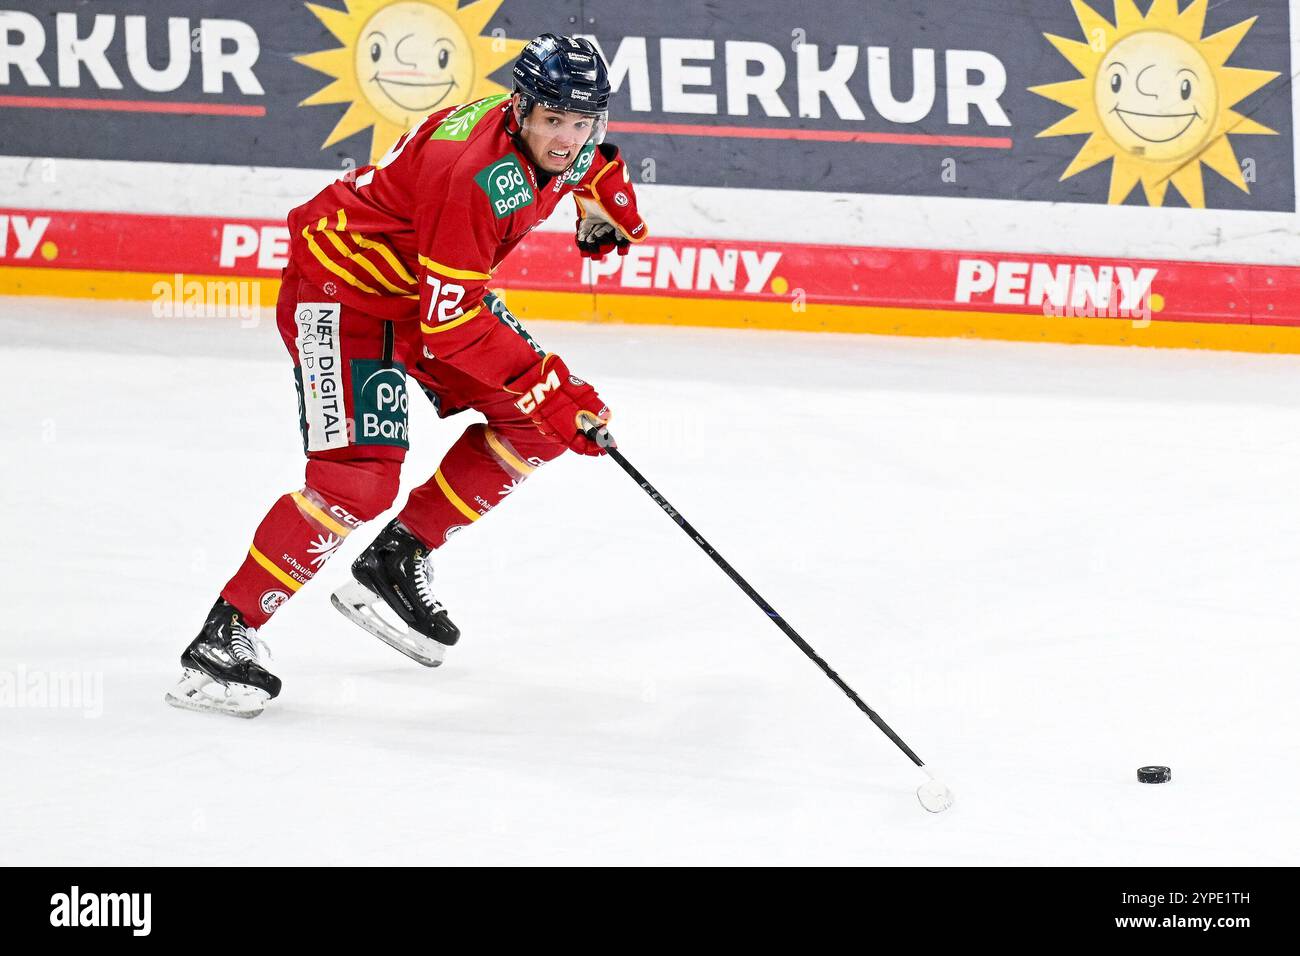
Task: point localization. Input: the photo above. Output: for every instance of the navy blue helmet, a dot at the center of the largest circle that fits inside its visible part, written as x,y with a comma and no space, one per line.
562,72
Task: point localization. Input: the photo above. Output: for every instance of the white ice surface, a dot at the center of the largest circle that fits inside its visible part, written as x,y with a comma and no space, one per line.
1044,565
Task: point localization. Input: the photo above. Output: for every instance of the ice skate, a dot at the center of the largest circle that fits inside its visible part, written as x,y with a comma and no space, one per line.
223,672
391,596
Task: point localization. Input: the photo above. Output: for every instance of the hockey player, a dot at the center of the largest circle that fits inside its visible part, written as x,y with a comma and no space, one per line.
387,278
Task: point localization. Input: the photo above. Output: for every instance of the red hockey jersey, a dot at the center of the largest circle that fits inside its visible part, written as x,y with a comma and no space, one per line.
417,236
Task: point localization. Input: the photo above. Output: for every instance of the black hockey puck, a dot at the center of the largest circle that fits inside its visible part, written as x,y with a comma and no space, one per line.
1154,775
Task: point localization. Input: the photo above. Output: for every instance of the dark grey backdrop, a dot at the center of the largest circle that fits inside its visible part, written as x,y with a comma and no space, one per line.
290,135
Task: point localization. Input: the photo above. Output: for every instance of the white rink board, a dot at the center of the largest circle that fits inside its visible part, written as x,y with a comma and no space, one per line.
979,225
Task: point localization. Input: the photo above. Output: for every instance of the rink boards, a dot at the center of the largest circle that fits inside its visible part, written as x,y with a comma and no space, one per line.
215,266
907,168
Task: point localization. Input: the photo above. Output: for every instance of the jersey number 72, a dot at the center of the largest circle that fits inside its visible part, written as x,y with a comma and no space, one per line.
445,298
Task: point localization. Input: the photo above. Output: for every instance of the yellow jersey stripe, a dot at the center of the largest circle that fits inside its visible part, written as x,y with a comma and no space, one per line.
360,260
509,457
435,329
322,516
454,498
389,256
333,266
275,571
451,273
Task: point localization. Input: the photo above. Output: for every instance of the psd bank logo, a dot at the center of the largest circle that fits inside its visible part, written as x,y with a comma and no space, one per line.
1155,97
404,59
380,403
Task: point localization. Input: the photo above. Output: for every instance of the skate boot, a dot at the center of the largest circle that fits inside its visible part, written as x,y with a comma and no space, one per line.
223,672
391,596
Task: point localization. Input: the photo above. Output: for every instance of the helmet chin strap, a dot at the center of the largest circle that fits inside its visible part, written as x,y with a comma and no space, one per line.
514,125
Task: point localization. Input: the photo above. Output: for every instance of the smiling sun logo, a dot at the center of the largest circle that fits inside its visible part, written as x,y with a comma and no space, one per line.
402,60
1156,97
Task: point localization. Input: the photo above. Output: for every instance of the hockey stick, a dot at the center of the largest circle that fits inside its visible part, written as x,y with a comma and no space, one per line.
933,795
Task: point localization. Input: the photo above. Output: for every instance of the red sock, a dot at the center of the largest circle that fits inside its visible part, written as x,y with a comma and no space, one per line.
476,475
292,543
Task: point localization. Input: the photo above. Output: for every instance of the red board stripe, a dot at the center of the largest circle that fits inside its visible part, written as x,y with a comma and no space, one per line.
130,106
687,268
818,135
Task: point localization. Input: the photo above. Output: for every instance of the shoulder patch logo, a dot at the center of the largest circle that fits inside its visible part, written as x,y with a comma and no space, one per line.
461,121
581,164
506,186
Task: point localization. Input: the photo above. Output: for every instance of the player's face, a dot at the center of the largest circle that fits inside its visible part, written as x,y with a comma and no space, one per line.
554,137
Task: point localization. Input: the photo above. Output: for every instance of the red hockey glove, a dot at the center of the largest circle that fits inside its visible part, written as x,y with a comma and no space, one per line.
554,399
607,214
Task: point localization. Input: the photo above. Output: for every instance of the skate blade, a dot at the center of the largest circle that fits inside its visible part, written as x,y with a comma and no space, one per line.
198,692
357,603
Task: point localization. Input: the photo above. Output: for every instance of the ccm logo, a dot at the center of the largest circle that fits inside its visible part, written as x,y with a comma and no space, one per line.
347,519
528,404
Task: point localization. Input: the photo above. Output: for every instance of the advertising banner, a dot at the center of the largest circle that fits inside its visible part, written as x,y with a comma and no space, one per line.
1140,155
790,275
1144,102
